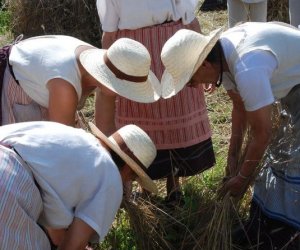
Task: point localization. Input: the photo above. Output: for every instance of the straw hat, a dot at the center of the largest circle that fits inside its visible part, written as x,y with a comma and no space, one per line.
182,55
135,147
125,69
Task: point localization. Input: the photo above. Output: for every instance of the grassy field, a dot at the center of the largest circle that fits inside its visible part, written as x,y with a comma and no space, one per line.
146,223
5,20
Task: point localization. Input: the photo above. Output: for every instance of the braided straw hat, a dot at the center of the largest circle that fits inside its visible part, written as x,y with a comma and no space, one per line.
135,147
125,69
182,55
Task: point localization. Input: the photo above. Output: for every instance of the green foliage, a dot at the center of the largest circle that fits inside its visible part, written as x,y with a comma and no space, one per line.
120,236
5,20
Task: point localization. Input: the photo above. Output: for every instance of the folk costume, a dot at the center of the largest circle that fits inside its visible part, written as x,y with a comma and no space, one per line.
178,126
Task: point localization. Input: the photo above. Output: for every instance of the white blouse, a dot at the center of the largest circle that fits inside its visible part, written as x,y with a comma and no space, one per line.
76,175
49,57
133,14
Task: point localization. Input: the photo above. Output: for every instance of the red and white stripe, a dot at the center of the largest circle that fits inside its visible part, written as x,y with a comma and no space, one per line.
178,122
12,93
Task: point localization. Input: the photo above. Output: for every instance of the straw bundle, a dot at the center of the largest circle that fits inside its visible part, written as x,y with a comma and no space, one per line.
278,10
76,18
218,233
227,211
201,223
157,227
147,225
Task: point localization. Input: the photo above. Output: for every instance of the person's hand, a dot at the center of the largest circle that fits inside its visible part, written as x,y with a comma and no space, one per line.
236,186
56,235
209,87
232,170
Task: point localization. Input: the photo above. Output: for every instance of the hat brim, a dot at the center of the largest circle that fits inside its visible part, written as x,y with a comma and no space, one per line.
146,92
171,86
144,180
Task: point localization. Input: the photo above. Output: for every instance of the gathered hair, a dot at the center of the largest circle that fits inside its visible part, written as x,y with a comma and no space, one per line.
117,159
215,53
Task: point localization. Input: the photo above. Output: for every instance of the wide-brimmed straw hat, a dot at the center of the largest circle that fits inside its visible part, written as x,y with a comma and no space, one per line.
182,55
135,147
125,69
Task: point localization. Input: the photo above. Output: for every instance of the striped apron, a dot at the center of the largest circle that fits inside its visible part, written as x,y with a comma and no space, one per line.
179,126
177,122
17,106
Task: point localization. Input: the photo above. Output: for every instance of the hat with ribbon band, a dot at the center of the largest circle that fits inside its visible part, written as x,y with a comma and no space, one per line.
134,147
123,68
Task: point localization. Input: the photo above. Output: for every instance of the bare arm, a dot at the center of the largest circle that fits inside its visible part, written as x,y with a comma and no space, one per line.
105,112
63,101
238,128
261,127
194,25
77,236
108,38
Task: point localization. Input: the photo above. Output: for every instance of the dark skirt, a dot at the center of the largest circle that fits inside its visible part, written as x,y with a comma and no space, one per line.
187,161
262,232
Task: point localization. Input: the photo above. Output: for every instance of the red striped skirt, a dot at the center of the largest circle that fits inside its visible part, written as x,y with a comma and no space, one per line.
20,206
17,106
178,122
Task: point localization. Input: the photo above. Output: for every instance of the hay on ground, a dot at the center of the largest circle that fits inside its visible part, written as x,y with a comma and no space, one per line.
201,223
78,18
278,10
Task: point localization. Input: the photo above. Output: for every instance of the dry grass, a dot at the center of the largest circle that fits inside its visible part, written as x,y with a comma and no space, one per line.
156,226
6,39
278,10
79,18
218,232
76,18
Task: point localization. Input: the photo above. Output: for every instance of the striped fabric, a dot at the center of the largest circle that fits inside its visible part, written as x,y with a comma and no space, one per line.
13,94
178,122
20,206
278,195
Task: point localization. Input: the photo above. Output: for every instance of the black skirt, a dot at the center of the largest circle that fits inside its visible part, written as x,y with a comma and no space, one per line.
179,162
